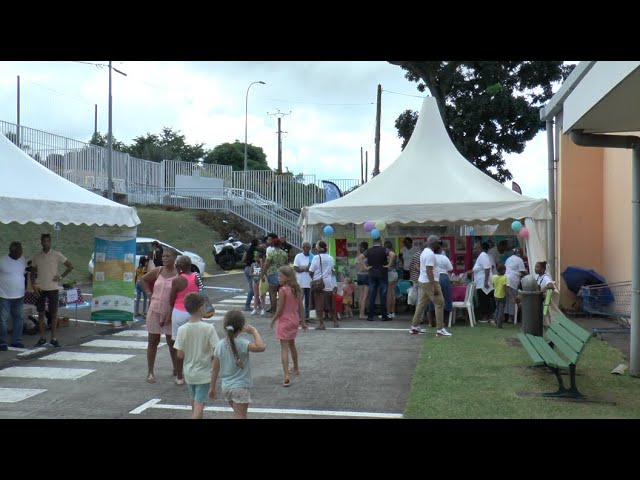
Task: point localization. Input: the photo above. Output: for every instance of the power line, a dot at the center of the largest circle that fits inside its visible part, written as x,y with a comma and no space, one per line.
324,104
405,94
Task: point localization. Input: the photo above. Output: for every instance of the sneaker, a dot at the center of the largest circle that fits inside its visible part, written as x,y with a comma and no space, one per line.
442,332
417,330
254,311
17,345
41,342
3,347
247,308
392,315
263,312
387,318
55,343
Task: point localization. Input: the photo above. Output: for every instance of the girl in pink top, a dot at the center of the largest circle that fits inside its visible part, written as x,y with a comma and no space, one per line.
289,313
186,282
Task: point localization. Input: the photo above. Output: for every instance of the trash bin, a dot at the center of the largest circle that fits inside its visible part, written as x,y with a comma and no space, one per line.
531,306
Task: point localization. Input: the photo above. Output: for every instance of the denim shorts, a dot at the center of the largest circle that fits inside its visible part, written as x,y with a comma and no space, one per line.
199,392
273,281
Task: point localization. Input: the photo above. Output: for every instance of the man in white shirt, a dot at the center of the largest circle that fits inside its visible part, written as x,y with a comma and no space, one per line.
406,255
301,264
12,269
483,279
430,290
515,271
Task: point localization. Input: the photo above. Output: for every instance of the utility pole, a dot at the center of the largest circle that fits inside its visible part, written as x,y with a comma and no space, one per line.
95,120
366,166
18,107
279,114
361,166
376,166
110,139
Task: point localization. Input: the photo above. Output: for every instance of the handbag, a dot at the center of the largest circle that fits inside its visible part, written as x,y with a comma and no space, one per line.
318,285
209,309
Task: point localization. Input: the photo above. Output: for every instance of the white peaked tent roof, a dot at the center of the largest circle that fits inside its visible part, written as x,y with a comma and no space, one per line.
430,183
30,192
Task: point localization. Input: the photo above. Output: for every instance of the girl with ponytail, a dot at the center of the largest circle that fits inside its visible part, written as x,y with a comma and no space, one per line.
231,363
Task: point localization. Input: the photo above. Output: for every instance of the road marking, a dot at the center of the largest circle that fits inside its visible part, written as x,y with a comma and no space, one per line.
118,344
224,274
144,406
155,403
89,357
234,301
33,351
46,372
131,333
226,289
13,395
366,329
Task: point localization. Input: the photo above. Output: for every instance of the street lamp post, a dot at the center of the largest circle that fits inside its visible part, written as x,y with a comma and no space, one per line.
246,113
110,139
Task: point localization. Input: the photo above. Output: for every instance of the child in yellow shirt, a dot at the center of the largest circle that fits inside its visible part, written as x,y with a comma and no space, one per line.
500,294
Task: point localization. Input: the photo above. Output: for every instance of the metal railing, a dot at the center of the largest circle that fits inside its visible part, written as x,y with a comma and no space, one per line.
273,197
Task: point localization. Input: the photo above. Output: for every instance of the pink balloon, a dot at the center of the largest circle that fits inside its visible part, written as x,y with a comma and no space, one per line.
523,233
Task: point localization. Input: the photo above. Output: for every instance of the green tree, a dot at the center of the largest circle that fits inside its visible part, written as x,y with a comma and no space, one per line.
233,154
489,108
168,145
102,141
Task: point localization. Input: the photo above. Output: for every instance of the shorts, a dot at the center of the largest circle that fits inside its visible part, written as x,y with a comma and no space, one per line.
392,276
273,282
178,318
363,279
52,296
237,395
199,392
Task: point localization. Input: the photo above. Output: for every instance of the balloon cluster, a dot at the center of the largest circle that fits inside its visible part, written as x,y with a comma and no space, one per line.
374,228
522,232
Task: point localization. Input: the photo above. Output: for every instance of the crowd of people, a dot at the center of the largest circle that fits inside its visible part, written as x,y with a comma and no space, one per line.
169,296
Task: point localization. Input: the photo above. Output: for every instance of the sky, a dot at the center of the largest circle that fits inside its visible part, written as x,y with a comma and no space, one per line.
329,109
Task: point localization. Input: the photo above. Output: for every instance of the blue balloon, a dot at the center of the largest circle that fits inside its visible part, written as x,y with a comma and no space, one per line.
516,226
328,230
375,233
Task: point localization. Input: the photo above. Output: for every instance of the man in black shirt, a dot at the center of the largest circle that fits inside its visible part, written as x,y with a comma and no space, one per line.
378,278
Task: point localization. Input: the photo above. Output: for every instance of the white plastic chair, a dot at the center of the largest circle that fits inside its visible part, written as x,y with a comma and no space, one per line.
468,304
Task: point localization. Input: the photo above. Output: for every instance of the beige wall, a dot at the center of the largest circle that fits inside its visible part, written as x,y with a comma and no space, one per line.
580,210
616,226
594,212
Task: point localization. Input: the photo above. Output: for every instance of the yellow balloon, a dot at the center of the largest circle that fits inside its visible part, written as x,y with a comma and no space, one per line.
381,225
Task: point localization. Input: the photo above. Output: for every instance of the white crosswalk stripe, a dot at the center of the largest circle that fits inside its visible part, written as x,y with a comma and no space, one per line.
13,395
45,372
132,333
88,357
118,344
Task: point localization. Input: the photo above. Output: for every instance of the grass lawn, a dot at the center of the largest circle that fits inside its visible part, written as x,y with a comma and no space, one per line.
478,371
177,228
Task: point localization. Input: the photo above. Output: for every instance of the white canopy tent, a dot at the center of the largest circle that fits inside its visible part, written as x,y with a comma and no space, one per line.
30,192
431,184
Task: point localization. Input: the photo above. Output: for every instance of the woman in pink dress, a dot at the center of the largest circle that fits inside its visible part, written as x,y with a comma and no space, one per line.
159,313
289,313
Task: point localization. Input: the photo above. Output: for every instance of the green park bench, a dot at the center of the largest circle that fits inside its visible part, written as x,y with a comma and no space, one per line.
561,351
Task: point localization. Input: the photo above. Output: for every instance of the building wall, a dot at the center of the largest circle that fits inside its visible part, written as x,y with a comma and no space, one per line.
580,211
616,226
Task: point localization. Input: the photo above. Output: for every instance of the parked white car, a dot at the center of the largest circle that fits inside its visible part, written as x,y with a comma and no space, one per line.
143,248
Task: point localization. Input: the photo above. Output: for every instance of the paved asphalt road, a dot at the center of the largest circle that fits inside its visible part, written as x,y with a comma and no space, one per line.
360,370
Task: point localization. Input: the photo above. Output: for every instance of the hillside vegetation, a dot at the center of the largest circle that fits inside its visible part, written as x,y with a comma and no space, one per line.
178,228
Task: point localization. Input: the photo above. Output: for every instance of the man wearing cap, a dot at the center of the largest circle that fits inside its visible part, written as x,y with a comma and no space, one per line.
430,290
